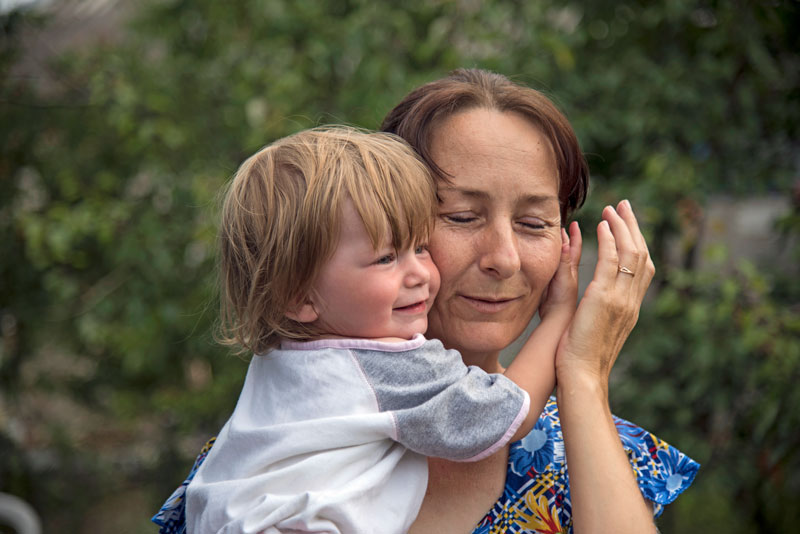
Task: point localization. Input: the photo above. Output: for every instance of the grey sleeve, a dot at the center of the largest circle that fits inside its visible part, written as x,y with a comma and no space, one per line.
442,407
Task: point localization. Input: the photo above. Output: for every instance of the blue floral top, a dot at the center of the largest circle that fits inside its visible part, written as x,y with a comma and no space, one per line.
536,497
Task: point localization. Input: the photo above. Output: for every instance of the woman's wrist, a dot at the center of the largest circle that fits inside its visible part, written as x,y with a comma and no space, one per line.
574,384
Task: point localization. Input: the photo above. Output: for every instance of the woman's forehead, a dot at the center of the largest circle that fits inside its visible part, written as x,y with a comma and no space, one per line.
487,153
485,129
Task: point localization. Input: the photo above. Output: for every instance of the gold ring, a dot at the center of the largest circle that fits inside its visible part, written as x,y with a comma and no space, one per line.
625,270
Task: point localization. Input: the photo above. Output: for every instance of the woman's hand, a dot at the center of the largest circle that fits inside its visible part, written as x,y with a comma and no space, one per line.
610,305
605,495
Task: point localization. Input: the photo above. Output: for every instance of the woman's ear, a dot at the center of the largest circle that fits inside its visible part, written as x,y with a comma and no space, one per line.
302,312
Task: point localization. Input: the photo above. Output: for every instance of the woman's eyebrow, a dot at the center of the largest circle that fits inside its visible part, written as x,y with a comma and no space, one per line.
481,194
539,199
473,193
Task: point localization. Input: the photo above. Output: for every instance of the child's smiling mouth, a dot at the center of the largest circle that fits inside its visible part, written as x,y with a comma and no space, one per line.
417,307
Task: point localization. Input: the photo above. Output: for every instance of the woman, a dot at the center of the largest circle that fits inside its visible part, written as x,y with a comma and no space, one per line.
510,173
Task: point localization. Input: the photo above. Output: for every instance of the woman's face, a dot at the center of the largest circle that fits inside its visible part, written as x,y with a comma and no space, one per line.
497,239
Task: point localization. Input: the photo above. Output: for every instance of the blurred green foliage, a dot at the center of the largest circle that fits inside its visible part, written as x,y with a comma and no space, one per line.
108,194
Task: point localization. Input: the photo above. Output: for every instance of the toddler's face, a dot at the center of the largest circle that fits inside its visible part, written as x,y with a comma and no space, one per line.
367,293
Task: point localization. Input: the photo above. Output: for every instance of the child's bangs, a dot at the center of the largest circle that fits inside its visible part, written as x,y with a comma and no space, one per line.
395,197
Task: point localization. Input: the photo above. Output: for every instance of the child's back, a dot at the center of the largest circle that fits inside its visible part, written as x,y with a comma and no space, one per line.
312,443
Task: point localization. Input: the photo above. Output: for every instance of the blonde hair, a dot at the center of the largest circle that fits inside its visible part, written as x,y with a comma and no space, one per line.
281,221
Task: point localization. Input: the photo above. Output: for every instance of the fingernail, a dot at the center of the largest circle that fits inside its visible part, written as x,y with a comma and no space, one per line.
627,204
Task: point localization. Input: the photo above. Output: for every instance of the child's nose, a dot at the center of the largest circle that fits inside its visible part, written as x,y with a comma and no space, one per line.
417,273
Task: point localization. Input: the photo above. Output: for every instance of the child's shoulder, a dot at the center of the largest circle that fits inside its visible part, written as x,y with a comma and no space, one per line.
387,344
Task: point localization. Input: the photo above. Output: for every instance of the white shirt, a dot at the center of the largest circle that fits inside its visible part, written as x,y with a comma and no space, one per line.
331,436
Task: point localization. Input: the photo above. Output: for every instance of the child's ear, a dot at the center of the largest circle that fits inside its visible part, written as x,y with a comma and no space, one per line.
303,312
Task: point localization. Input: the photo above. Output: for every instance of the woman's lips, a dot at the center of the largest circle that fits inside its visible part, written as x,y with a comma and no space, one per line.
492,305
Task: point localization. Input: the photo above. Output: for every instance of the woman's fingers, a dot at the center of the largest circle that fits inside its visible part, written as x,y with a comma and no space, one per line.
615,252
645,266
628,250
625,211
607,258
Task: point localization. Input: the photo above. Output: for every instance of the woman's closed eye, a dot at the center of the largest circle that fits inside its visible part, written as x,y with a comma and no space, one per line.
465,217
533,223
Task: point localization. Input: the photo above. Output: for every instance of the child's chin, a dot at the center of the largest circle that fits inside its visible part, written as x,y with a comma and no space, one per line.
419,328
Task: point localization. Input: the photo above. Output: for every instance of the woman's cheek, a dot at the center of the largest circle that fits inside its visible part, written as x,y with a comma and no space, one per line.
539,263
446,253
553,258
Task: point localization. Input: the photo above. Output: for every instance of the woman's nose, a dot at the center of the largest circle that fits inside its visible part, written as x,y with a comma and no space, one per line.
499,251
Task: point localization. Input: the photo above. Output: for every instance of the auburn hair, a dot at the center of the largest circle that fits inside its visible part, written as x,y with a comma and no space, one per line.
423,109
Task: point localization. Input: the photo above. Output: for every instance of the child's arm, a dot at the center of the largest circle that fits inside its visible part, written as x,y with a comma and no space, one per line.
533,369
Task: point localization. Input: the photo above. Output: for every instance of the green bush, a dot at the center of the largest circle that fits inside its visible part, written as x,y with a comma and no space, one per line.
108,207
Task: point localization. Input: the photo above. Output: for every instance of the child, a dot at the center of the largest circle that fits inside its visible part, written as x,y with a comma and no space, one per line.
327,279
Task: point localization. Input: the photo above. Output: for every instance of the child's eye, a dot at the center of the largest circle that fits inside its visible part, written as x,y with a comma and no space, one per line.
421,249
385,260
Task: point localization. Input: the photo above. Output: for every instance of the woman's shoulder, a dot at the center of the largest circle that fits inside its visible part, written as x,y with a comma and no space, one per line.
536,497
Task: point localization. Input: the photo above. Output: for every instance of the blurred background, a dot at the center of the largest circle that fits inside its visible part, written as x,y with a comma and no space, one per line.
120,121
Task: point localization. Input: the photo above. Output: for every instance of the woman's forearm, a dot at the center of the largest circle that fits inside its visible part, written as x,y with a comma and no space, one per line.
604,494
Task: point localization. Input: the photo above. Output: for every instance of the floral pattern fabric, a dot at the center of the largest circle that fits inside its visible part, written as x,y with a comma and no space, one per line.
172,515
536,496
